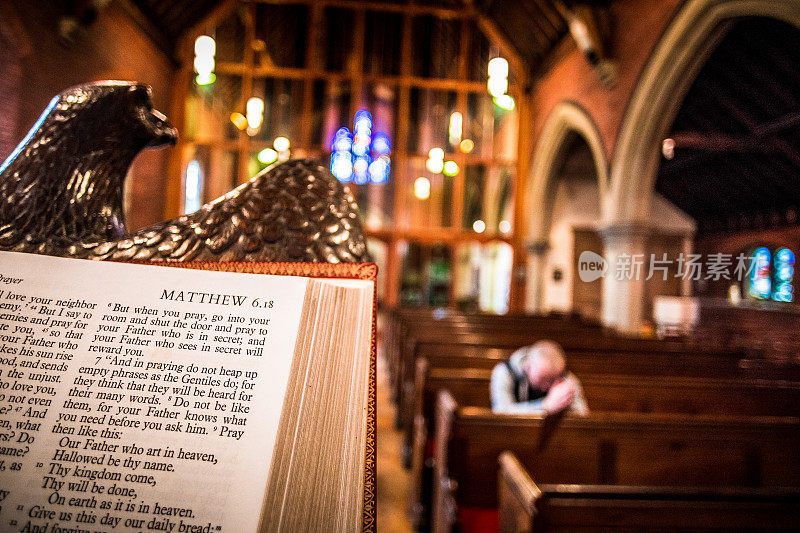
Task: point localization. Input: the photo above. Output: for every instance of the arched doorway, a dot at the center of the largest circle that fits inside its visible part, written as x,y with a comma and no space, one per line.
673,66
575,213
569,127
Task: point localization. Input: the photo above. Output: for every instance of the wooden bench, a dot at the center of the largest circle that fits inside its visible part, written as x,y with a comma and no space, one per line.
404,323
406,329
669,362
627,393
586,353
606,448
469,386
710,384
529,507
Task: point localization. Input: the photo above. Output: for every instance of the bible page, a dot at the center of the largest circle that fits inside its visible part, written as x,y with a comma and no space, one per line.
136,397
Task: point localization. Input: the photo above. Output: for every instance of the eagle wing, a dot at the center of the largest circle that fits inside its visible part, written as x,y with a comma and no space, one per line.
295,211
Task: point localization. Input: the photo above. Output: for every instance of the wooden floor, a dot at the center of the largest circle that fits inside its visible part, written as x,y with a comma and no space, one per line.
392,477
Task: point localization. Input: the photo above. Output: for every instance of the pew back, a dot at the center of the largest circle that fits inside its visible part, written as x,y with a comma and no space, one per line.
607,448
631,394
529,507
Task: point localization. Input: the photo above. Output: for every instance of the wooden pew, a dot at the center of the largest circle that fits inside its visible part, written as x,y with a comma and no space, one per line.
688,363
528,507
606,448
469,386
407,322
627,393
586,352
406,331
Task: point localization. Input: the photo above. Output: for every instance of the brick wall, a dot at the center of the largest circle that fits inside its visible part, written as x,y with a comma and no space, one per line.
636,27
9,94
113,47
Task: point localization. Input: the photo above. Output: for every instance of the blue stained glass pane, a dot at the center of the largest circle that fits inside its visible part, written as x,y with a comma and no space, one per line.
342,166
760,282
363,123
381,144
342,141
379,170
784,271
360,168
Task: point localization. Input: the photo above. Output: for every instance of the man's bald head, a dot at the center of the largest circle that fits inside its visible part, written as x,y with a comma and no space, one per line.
545,364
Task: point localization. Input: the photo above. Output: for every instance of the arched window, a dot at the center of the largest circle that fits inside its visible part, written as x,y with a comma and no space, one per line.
760,282
783,271
771,275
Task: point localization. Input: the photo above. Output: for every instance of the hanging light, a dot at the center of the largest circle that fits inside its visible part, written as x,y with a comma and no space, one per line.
456,128
498,68
422,188
450,168
479,226
267,156
434,165
281,144
497,84
504,101
467,146
239,120
435,162
255,114
668,148
204,50
193,185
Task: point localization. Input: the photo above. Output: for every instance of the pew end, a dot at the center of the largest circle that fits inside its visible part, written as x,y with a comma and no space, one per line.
517,495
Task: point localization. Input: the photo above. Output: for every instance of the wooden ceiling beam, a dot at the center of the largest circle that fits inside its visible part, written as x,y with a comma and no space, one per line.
764,78
518,65
777,54
146,24
766,171
551,15
778,125
185,47
743,91
375,5
720,142
757,180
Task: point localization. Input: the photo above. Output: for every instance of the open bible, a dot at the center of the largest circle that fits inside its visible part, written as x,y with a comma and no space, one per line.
149,398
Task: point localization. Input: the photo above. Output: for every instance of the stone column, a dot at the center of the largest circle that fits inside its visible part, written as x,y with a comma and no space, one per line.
537,262
623,285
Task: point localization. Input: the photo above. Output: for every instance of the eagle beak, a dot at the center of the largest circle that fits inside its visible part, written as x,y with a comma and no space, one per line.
162,131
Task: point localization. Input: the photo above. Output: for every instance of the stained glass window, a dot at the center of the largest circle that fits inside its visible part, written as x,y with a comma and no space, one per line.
783,272
771,275
760,285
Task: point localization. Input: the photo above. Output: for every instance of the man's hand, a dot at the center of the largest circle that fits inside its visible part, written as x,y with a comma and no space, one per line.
559,397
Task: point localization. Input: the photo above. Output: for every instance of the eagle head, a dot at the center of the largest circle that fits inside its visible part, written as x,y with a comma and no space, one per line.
65,179
109,114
